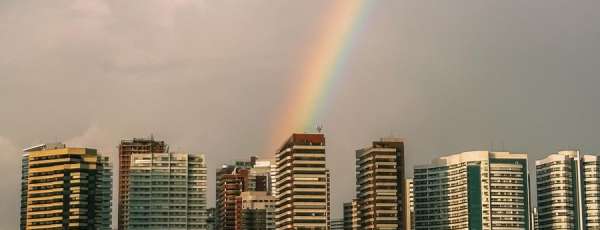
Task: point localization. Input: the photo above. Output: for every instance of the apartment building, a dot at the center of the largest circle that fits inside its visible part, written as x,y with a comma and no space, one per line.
167,191
409,206
302,183
232,180
380,186
258,210
351,220
568,191
67,188
473,190
127,148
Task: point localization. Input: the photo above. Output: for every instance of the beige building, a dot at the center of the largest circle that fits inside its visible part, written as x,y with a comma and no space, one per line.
302,184
67,188
380,185
351,221
409,206
258,210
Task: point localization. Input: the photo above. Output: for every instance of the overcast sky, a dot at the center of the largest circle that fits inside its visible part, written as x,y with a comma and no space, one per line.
210,76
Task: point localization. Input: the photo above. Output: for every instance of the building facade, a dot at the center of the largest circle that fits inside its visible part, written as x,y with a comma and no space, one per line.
243,191
409,206
380,186
259,177
231,181
351,221
258,210
473,190
273,174
302,184
127,148
66,188
104,193
534,219
167,191
568,191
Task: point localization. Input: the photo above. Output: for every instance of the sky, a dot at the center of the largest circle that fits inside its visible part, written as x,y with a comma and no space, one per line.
210,76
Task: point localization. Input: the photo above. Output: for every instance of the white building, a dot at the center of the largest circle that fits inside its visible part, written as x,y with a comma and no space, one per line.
167,191
473,190
568,191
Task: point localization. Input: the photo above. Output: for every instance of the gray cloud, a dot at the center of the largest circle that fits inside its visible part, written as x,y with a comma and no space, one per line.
209,76
10,183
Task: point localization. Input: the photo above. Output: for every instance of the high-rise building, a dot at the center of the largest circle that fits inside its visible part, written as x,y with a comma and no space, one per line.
127,148
302,183
380,186
328,203
473,190
568,191
24,172
351,221
24,176
167,191
104,193
258,209
409,206
66,188
231,180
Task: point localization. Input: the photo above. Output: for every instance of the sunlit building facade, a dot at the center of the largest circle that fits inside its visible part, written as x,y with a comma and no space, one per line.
568,191
231,181
380,185
409,206
302,184
351,220
473,190
67,188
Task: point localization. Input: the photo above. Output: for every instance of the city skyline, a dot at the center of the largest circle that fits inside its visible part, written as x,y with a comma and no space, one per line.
258,175
216,77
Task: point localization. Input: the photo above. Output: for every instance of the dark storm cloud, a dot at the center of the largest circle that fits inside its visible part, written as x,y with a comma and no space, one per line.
209,76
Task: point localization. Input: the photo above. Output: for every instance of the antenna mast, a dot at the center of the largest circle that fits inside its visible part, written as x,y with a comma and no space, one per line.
319,128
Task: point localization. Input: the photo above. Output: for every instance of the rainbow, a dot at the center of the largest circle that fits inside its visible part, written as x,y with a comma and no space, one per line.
320,71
